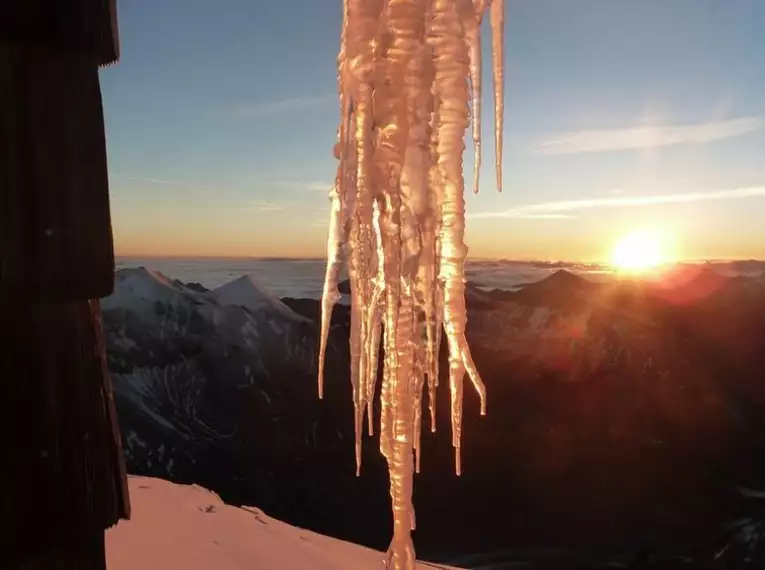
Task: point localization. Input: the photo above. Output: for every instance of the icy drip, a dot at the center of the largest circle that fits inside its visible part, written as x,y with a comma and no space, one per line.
398,216
498,59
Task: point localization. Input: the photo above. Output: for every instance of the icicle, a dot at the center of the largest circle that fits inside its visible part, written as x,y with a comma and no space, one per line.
451,65
357,305
335,240
432,233
361,263
498,56
398,214
373,323
417,384
360,70
330,295
480,8
415,210
473,35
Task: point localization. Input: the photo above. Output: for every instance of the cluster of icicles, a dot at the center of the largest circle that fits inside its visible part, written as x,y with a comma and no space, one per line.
409,76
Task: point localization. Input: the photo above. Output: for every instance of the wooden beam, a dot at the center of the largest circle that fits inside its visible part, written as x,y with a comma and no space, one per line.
82,553
64,476
81,26
63,479
55,224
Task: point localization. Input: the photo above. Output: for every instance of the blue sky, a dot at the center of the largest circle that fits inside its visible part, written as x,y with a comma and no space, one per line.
620,115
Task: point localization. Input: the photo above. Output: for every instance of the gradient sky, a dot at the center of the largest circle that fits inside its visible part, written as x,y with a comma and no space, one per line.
620,115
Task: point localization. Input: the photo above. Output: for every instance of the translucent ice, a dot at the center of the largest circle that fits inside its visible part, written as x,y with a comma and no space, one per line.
409,75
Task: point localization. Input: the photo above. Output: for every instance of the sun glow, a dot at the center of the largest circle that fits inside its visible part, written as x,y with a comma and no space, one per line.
641,251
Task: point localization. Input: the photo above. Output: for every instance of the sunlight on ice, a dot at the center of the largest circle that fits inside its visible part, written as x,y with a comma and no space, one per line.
409,74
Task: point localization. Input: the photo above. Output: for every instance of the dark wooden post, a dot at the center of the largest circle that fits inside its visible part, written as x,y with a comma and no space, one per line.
62,475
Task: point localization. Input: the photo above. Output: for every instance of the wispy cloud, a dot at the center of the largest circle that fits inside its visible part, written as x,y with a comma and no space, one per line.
647,136
319,186
557,208
315,186
160,181
259,110
532,216
320,218
266,206
257,205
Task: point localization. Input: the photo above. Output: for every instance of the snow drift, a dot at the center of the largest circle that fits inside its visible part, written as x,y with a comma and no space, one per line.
176,527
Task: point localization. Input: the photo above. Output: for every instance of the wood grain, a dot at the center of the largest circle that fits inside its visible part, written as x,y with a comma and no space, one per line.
82,553
63,473
55,223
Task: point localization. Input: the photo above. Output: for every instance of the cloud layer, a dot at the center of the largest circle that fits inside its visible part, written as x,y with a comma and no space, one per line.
647,136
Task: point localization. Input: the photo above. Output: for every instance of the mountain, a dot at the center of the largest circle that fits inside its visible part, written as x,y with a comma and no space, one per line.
621,420
138,289
223,394
248,293
176,527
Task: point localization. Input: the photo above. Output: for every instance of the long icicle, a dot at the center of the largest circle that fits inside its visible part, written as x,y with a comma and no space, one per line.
451,65
373,324
359,75
335,239
473,36
397,212
497,16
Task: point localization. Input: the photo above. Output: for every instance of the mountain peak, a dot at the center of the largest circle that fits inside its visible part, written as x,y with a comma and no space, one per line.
559,282
145,274
563,277
247,292
137,285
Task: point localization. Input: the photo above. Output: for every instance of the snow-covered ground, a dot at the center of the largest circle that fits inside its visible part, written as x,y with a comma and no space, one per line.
178,527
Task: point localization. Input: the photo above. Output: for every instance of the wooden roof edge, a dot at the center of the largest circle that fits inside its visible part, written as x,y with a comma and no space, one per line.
85,26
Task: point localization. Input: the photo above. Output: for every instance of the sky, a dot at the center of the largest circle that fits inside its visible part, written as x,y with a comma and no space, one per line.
620,115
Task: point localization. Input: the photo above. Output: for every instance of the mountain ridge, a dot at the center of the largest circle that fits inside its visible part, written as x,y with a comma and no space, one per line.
623,401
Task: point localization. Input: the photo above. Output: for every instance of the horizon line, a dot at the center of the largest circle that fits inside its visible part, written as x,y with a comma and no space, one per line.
477,258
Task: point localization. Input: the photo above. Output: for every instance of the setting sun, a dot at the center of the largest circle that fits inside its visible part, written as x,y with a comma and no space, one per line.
640,251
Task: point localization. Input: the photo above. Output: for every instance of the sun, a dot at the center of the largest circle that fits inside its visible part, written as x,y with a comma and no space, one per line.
640,251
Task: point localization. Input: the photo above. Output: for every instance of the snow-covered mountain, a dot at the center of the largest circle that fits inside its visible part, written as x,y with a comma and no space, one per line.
177,352
218,388
248,293
642,401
